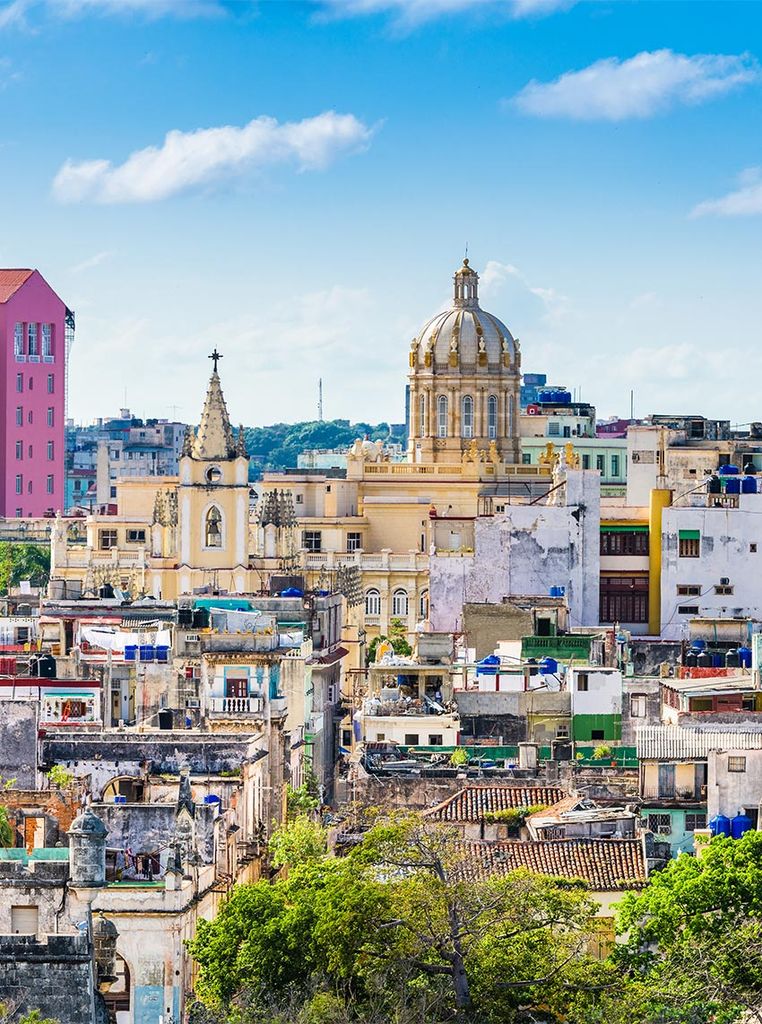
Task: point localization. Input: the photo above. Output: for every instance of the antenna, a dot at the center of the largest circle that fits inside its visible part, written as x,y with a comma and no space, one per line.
465,254
320,400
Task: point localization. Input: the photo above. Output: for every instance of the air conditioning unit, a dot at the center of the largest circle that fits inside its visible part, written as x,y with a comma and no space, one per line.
724,581
193,703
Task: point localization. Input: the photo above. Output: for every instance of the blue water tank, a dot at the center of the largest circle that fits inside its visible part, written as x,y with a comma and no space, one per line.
545,397
698,645
162,654
733,485
131,652
548,666
744,656
719,825
147,652
718,660
749,485
740,825
212,798
120,799
292,592
728,470
488,666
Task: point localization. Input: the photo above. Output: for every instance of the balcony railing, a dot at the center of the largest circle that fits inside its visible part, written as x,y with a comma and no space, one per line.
236,705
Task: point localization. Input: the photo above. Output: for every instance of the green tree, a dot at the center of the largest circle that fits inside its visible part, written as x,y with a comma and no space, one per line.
402,929
694,937
6,829
397,638
300,841
8,1015
23,562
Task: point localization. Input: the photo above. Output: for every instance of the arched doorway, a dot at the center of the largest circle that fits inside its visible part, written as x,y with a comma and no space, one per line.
119,996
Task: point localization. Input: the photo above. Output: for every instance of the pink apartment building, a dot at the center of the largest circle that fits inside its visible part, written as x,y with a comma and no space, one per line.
35,327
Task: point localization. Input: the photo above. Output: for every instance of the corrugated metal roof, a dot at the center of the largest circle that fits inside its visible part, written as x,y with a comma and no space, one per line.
673,742
11,281
607,865
471,804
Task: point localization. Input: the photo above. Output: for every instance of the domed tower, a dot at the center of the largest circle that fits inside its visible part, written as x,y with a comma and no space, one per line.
87,851
465,373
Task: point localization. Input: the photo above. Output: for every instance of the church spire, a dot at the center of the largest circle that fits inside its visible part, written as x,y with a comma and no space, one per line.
214,439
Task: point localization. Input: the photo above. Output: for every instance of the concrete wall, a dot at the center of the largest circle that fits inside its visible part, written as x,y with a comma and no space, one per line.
486,625
729,792
18,742
727,536
526,550
40,884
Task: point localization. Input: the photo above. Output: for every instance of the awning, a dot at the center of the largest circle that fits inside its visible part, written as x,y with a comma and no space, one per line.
328,659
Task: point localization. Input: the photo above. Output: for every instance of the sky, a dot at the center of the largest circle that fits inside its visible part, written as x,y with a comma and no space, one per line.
295,184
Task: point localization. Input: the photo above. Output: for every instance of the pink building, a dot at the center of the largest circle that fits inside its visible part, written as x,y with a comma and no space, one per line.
35,326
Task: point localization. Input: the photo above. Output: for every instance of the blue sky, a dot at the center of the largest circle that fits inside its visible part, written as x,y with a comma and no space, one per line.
295,183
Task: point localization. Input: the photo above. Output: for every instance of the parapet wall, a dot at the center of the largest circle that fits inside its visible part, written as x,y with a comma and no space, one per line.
54,976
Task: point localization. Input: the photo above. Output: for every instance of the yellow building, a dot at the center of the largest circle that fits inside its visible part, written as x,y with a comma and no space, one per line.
174,534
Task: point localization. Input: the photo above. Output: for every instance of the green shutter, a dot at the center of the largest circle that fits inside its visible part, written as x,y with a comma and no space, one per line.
689,535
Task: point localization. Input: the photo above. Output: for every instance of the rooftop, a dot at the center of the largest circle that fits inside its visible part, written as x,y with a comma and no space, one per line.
474,802
606,865
673,742
11,281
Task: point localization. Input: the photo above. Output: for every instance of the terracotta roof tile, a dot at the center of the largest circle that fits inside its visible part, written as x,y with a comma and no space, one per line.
607,865
11,281
472,803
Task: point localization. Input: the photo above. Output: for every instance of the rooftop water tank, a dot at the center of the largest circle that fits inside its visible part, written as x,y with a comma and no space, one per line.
744,656
292,592
733,485
719,825
548,666
728,470
715,485
704,660
691,659
749,485
732,659
698,645
488,666
740,825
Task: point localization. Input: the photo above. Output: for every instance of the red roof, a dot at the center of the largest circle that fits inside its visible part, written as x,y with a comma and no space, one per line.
11,281
607,865
474,802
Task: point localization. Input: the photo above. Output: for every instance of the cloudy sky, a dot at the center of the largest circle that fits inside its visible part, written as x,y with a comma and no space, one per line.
296,182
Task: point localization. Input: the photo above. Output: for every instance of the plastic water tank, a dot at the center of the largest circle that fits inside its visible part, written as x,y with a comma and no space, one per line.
162,654
488,666
548,666
147,652
749,485
698,645
292,592
691,659
718,660
719,825
732,659
733,485
704,660
740,825
728,470
212,798
131,652
715,485
744,656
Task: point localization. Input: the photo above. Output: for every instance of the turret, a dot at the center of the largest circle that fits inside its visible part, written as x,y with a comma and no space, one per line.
87,851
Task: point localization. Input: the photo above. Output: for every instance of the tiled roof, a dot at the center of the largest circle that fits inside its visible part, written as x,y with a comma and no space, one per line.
11,281
472,803
665,742
607,865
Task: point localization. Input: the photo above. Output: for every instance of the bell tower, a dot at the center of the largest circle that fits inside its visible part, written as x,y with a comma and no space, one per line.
213,497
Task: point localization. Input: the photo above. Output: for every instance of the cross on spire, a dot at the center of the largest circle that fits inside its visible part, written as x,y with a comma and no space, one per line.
215,357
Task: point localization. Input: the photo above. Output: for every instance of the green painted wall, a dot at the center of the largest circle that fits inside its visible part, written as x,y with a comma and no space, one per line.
584,725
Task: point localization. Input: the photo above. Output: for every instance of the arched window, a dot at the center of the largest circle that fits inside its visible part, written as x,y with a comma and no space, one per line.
492,417
423,605
213,528
372,602
400,602
442,416
422,415
467,416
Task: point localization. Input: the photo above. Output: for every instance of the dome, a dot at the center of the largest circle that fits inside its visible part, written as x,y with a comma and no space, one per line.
466,335
88,824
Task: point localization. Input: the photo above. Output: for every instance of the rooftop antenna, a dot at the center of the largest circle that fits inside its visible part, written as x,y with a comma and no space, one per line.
320,400
465,254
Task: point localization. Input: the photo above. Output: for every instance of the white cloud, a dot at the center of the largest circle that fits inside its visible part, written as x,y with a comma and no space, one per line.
495,276
614,90
409,13
90,262
15,12
745,201
188,160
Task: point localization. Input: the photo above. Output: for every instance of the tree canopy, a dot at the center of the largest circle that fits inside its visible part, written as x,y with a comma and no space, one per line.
278,445
23,562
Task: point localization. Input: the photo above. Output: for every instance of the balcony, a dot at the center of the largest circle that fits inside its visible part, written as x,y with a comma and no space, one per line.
236,706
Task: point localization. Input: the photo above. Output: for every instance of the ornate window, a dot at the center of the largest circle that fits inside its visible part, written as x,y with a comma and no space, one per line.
213,528
442,416
372,602
467,416
492,417
400,602
422,415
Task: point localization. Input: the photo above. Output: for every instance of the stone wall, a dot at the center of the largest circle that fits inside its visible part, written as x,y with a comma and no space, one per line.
18,741
54,976
59,807
486,625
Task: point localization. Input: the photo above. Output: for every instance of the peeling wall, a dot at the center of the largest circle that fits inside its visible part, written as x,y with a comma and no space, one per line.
18,742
